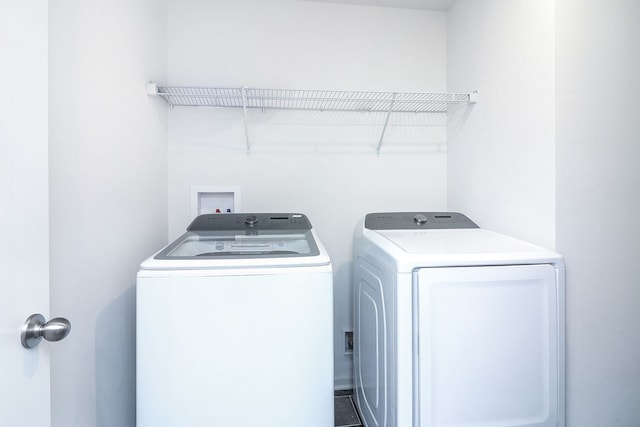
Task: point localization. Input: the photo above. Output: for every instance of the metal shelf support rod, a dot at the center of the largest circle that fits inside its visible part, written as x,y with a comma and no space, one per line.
386,122
244,116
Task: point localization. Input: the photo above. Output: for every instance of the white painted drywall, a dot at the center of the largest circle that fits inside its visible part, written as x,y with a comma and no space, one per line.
501,164
303,45
595,90
598,200
108,206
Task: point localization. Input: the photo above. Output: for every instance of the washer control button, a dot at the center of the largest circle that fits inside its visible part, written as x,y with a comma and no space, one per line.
420,219
251,220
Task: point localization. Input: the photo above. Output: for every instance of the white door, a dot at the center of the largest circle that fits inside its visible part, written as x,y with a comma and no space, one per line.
24,216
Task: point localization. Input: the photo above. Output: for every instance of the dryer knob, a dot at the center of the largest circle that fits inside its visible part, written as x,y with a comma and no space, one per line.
251,220
420,219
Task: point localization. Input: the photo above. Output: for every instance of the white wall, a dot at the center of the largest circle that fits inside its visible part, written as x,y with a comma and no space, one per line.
108,208
598,187
303,45
501,165
572,96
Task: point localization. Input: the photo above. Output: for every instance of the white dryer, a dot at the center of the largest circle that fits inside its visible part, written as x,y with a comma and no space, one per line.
235,326
455,325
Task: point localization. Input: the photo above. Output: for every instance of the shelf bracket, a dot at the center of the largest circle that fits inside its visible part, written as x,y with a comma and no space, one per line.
151,88
244,116
386,122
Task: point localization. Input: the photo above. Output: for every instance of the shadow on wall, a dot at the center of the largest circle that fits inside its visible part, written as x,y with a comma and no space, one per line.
115,341
310,131
456,119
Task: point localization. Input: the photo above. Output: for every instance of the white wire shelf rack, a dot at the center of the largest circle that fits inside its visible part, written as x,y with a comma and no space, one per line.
313,100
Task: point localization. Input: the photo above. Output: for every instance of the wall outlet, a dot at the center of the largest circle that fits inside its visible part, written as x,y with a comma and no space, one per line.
348,342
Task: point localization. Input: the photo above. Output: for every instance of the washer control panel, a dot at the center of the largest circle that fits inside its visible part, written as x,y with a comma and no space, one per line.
417,221
250,221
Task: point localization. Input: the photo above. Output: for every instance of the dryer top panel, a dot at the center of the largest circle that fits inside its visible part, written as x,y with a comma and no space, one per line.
458,247
412,240
417,221
467,242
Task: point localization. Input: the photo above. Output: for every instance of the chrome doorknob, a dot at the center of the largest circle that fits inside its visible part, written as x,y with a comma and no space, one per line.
35,328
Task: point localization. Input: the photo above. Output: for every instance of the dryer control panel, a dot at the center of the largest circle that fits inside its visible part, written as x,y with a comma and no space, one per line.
417,221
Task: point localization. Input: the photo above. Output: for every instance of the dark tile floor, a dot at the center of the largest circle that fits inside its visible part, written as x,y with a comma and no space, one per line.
345,412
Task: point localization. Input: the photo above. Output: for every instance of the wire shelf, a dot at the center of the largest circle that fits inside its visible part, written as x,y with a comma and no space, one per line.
317,100
312,100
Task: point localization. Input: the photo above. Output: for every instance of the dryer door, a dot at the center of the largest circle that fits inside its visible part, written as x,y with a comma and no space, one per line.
488,342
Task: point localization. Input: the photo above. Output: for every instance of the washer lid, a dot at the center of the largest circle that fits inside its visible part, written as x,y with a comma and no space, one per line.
234,244
240,236
228,241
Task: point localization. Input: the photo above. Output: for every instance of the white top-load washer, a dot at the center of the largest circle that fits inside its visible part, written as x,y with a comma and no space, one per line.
455,325
235,326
